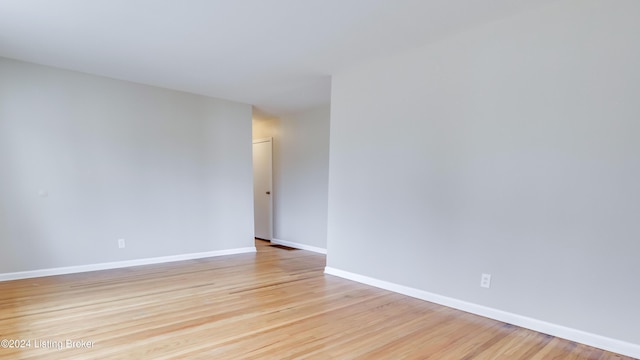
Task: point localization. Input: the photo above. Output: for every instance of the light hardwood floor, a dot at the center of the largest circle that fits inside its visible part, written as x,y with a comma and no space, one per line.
276,304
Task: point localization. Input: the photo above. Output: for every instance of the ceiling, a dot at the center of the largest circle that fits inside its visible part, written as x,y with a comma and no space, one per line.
278,55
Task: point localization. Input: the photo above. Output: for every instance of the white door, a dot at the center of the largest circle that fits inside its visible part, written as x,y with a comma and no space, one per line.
262,188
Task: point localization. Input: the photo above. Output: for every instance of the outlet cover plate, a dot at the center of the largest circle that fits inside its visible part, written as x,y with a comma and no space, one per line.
485,281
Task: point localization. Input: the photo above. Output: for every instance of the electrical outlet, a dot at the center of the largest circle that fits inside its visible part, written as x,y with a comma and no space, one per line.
121,244
485,281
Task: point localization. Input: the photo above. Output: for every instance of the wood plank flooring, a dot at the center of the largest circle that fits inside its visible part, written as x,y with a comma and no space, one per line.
276,304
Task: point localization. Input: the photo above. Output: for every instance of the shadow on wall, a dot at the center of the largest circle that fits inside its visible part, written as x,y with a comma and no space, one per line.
23,208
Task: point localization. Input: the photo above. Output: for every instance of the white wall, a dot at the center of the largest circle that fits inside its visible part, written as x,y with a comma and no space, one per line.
168,171
264,127
512,150
301,175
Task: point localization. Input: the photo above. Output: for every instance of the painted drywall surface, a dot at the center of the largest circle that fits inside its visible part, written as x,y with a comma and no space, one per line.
264,127
169,172
301,171
510,150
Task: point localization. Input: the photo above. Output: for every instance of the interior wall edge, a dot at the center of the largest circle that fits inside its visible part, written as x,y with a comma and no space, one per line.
121,264
583,337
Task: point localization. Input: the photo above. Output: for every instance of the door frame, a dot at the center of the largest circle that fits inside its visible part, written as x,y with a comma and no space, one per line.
270,141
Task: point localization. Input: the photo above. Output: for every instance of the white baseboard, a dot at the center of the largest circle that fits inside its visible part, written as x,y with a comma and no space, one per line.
299,246
120,264
598,341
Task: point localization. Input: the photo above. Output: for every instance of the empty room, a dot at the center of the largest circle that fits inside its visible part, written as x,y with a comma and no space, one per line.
307,179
